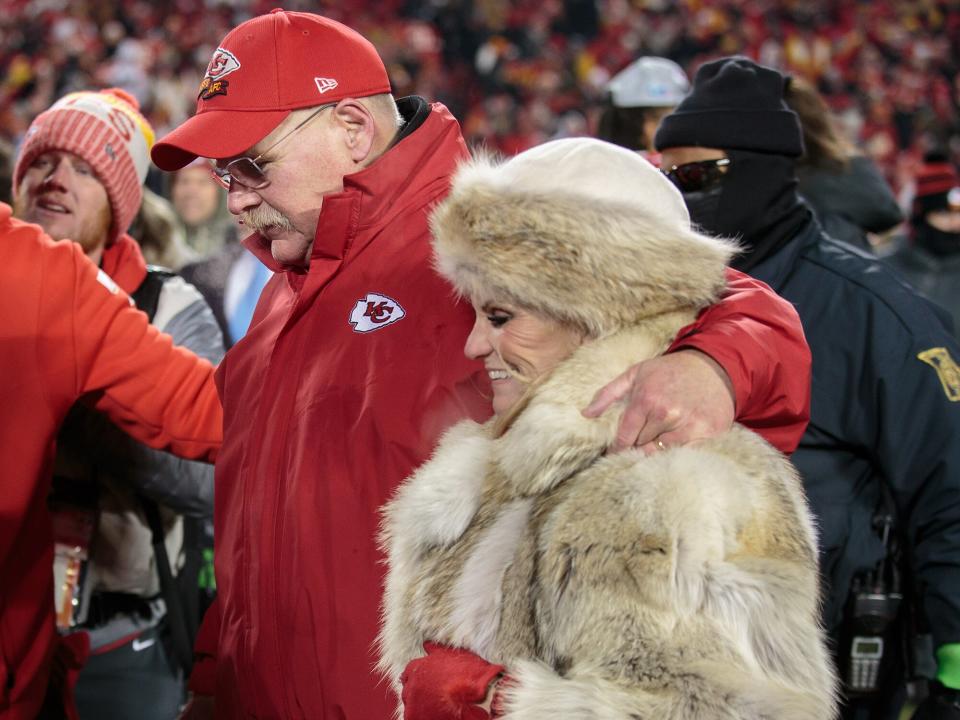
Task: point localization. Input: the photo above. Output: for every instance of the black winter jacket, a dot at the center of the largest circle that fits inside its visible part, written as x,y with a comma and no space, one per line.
885,409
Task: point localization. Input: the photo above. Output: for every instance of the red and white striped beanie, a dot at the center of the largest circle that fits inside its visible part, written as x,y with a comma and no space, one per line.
108,132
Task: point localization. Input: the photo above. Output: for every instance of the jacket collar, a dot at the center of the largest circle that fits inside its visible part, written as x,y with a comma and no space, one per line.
550,439
776,269
418,164
124,263
414,110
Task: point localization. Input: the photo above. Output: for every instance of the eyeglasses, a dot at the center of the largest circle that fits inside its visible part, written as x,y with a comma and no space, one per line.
696,176
246,171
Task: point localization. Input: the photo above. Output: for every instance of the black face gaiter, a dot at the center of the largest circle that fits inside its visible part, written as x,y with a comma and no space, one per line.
756,202
704,206
936,242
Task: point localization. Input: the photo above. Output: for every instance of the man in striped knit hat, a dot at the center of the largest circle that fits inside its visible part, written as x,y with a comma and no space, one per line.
80,175
929,256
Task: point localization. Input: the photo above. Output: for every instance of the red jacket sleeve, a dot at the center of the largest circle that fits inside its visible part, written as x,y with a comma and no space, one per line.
160,394
203,677
756,336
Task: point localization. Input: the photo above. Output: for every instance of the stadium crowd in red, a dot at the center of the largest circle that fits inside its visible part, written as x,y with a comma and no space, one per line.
518,72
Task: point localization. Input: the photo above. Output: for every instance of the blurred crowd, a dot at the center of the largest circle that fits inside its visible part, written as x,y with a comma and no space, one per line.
517,73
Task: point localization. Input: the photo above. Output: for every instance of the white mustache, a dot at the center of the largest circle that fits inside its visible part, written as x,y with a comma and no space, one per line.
263,217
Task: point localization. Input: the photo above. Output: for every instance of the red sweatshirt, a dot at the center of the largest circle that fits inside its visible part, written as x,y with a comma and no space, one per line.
67,331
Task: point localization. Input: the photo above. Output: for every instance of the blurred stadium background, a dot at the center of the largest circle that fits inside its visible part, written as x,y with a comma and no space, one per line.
518,73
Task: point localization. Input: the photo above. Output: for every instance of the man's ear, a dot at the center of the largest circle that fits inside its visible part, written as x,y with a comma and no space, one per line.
359,127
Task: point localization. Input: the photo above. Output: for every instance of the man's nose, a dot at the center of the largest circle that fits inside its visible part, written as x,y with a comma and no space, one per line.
59,176
241,199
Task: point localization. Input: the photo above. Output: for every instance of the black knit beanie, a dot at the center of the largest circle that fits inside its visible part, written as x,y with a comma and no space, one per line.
735,104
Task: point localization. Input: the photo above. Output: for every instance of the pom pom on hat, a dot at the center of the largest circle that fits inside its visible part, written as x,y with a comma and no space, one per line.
122,94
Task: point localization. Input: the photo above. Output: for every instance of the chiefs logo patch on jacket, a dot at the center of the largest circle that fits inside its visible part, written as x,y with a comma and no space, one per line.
374,312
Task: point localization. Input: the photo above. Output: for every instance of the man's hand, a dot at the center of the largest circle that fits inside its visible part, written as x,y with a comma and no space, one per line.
198,707
671,400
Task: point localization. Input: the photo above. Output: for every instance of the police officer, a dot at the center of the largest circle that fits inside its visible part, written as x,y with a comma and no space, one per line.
881,457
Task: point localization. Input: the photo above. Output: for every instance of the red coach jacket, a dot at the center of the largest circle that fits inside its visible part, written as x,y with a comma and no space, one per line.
341,387
66,331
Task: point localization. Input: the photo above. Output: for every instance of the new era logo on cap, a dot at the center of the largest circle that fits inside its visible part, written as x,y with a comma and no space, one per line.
325,84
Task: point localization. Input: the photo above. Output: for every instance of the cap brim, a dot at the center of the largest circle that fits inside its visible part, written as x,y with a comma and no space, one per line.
214,134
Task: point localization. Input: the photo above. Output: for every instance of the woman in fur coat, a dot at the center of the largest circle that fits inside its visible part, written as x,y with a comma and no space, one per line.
541,574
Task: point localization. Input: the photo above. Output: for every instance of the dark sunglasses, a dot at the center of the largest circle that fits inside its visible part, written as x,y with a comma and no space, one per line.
246,171
697,176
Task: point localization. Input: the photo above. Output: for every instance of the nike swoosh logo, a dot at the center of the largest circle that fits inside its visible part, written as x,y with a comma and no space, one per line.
139,644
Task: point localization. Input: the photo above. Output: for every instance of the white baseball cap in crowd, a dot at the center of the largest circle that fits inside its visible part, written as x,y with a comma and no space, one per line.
649,82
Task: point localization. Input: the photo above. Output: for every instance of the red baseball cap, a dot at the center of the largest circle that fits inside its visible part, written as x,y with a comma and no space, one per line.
264,69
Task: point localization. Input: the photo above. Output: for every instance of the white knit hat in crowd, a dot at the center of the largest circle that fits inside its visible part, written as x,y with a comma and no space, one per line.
108,132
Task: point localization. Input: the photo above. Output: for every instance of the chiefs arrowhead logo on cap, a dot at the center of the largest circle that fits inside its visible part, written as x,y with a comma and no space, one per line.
374,312
221,64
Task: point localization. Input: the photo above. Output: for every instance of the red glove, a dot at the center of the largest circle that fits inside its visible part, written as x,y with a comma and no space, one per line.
447,684
498,703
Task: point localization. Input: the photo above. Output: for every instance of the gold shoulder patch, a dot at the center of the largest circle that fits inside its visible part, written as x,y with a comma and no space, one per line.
939,359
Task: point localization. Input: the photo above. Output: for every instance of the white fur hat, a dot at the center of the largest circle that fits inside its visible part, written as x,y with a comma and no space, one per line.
580,230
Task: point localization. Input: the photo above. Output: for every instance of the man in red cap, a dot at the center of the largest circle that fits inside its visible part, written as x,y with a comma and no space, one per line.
353,364
929,257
